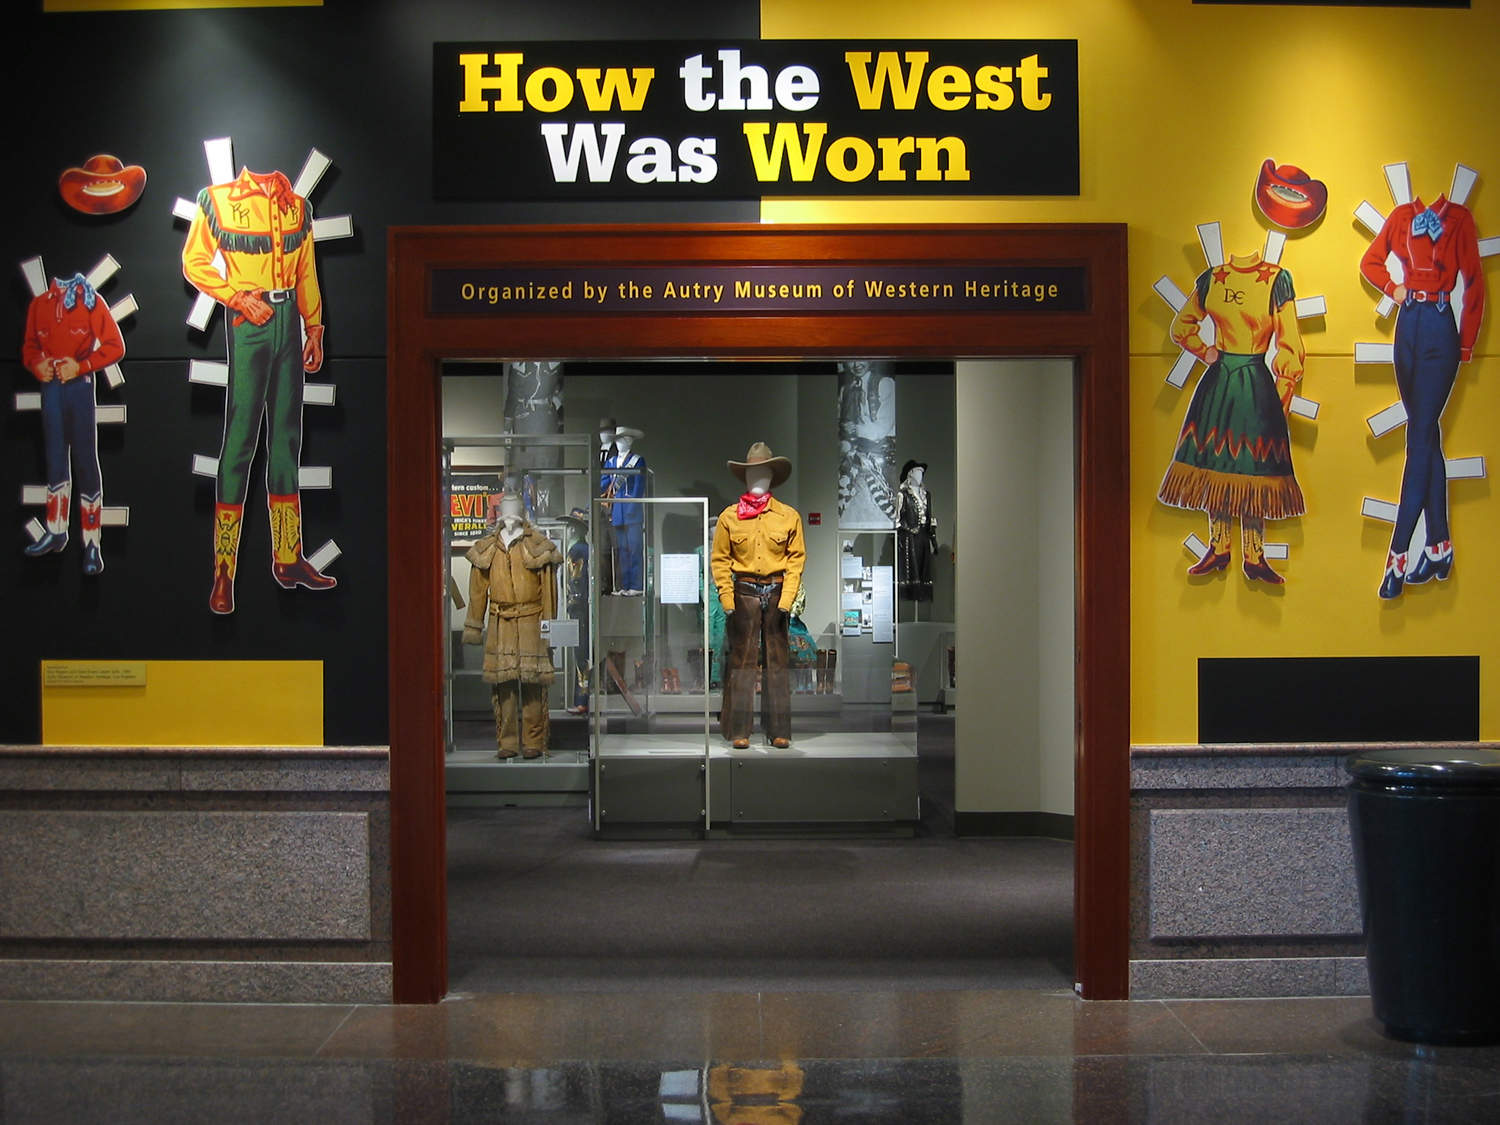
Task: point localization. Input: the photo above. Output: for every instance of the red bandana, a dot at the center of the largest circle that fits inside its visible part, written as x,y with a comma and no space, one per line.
752,505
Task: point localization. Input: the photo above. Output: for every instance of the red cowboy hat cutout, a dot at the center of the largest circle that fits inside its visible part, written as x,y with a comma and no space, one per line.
102,186
1289,197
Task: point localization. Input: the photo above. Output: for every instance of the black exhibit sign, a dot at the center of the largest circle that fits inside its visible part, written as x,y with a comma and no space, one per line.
743,119
790,289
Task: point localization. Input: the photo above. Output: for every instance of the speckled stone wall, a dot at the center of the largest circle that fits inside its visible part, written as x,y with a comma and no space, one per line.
1242,873
254,874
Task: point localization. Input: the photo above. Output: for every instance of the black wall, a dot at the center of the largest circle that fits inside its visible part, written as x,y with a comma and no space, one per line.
354,81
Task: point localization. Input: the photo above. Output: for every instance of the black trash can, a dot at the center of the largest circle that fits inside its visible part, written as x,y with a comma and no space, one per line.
1426,827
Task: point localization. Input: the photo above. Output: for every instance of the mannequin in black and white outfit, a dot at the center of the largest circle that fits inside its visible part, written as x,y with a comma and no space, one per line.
916,533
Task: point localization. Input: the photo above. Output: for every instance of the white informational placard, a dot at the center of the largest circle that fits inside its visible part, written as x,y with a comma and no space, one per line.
883,605
560,632
681,583
853,567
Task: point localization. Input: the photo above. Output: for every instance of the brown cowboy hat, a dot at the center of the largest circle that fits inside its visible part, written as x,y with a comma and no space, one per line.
102,186
760,454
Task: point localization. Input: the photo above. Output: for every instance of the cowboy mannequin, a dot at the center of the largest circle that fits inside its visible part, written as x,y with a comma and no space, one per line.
626,521
513,584
756,562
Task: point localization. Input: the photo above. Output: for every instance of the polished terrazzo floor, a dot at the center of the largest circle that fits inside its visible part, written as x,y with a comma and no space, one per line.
862,1058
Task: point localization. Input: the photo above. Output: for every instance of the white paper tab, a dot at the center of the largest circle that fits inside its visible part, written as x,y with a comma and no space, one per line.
1391,418
1278,551
315,476
319,394
220,154
115,517
1195,546
1181,370
1374,353
1489,247
33,494
205,466
1369,218
113,415
114,376
1168,291
124,308
202,310
334,226
1398,180
1275,244
106,268
35,529
28,400
325,556
1378,509
1311,306
1385,307
208,372
1211,238
35,274
184,209
1464,179
1465,468
312,171
1304,408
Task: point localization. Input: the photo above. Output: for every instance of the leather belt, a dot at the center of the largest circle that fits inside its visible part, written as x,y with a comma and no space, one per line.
761,587
1422,296
279,296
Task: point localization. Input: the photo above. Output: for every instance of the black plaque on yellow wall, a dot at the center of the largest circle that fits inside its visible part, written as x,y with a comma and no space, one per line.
751,118
1369,699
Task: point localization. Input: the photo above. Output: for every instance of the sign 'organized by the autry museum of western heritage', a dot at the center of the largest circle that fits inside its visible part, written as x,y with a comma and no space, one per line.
744,119
593,290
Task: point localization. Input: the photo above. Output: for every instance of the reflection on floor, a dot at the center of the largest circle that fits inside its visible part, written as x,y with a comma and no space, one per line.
872,1058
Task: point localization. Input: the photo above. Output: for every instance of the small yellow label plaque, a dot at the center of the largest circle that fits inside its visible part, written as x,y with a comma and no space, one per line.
93,673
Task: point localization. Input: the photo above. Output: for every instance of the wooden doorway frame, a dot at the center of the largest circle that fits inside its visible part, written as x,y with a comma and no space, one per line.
1096,338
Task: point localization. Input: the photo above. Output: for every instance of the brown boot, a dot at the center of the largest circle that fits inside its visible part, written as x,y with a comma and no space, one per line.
288,566
227,518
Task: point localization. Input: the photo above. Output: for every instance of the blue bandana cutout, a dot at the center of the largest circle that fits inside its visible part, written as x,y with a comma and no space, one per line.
1428,223
72,287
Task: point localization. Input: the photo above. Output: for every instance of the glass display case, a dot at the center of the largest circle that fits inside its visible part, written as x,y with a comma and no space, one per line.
663,761
518,657
652,737
635,629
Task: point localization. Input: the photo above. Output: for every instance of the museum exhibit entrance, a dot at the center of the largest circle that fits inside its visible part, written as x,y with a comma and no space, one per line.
772,308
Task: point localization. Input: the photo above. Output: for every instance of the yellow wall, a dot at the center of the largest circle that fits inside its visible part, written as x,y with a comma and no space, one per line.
1180,105
186,703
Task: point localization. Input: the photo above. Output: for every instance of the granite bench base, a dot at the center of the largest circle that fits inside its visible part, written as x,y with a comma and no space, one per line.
1242,872
177,873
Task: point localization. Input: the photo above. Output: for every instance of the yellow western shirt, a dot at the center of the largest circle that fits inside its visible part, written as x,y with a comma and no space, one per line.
771,543
263,232
1248,301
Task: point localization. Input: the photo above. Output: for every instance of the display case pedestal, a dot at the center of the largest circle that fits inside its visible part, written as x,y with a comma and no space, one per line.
834,783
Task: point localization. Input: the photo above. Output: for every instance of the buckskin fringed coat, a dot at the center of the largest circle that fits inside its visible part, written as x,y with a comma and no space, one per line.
516,588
